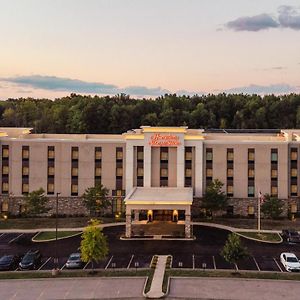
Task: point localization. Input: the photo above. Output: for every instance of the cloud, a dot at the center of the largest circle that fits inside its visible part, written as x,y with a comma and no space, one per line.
53,83
254,23
60,84
289,17
281,88
189,93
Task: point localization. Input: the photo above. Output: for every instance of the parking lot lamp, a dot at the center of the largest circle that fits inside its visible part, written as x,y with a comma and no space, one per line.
56,226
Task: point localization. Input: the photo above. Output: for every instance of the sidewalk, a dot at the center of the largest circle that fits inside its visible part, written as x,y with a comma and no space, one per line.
233,289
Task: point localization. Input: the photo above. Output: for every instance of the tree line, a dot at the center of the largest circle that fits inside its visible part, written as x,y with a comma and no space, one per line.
117,114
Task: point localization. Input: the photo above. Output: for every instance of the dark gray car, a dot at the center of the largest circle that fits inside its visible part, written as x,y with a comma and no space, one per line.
74,261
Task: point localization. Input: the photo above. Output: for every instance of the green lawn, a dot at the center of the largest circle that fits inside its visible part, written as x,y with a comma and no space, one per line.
266,237
36,223
50,235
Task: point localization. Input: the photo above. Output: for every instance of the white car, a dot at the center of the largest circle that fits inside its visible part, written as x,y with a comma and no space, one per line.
290,262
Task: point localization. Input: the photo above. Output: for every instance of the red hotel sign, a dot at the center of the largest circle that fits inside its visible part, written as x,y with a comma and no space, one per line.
159,140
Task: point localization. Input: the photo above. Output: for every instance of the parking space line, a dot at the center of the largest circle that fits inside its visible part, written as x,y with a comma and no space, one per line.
236,267
277,264
15,238
257,266
44,263
132,256
63,266
214,262
109,262
86,265
193,257
1,234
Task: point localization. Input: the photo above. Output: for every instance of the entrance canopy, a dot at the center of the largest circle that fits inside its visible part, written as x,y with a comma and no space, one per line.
157,196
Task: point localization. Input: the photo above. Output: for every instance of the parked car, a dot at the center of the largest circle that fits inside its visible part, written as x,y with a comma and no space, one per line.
9,262
30,260
74,261
291,235
290,262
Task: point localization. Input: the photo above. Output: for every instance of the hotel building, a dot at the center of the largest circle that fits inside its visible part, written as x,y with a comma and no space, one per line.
161,172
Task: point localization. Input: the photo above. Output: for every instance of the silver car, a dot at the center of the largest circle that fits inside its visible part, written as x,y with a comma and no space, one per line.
74,261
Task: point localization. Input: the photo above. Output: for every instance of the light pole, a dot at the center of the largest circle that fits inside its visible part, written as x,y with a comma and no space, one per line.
56,223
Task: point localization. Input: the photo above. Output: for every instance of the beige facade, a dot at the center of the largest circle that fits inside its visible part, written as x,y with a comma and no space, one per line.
151,157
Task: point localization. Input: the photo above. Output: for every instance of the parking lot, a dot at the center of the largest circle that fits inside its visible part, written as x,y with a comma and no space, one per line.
203,253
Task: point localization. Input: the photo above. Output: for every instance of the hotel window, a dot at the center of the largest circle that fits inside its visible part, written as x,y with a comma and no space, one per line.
274,174
118,205
294,154
294,190
251,155
74,172
294,172
50,188
163,172
250,191
5,187
164,154
274,155
209,154
74,189
140,155
230,154
98,171
25,171
188,155
75,153
25,188
5,151
119,172
188,172
119,153
209,172
274,191
140,172
251,173
229,173
98,153
230,190
25,152
51,152
5,170
50,171
4,206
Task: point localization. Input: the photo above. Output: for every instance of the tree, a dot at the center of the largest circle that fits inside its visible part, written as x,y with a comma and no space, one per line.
93,246
36,202
214,199
233,250
95,199
272,207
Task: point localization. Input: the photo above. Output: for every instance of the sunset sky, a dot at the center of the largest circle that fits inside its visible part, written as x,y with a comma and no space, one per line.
51,48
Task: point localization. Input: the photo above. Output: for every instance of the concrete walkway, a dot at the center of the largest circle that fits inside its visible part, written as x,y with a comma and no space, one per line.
72,288
158,278
234,289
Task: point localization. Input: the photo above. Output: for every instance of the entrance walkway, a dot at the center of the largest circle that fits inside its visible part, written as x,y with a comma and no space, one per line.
158,278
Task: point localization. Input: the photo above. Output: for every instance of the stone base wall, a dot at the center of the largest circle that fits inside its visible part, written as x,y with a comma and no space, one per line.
71,206
240,206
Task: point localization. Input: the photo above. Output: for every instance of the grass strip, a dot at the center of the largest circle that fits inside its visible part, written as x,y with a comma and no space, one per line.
233,274
79,273
266,237
50,235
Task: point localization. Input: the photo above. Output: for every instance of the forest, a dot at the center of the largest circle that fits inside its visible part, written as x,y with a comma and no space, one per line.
117,114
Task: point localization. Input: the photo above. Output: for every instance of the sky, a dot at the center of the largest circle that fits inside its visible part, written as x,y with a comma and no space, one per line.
146,48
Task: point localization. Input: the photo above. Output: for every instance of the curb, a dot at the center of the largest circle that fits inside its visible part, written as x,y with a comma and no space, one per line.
54,239
257,240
